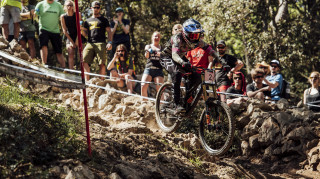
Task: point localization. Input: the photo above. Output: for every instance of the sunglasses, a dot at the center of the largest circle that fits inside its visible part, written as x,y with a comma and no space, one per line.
237,78
120,50
220,47
96,7
313,77
194,36
258,77
263,67
70,5
274,66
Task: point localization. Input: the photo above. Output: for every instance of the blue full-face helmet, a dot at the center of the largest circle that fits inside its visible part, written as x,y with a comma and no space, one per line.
192,30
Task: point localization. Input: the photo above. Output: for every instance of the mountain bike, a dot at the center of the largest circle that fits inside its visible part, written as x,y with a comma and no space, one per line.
216,129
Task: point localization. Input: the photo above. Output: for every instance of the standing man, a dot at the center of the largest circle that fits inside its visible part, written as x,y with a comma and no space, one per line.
228,64
120,31
49,12
275,80
95,28
10,9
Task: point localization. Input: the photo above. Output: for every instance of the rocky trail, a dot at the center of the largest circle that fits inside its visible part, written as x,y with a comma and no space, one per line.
272,140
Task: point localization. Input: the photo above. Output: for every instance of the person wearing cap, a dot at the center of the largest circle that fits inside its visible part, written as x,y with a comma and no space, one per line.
228,64
274,80
10,9
120,28
264,66
95,28
49,12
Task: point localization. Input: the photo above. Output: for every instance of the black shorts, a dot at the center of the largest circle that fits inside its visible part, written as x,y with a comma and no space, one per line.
54,38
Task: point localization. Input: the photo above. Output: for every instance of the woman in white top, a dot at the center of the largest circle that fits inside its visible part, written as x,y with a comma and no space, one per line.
312,94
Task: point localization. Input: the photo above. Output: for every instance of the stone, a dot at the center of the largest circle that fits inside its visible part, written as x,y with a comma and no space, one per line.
109,108
103,101
119,109
253,141
15,46
313,151
114,176
297,134
195,143
245,148
92,101
282,104
268,132
130,100
242,121
313,143
250,109
185,144
3,46
25,56
98,92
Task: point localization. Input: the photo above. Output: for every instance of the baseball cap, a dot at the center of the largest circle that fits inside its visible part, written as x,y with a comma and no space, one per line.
119,9
221,42
94,3
275,62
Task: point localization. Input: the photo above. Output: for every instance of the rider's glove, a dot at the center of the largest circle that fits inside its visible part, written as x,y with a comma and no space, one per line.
186,65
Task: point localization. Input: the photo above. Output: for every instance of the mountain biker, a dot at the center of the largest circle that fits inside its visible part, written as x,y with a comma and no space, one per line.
173,57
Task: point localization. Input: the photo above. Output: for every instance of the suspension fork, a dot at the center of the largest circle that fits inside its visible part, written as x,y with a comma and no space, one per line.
205,96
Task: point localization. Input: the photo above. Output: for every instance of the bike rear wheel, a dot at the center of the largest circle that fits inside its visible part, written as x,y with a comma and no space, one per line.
216,134
165,117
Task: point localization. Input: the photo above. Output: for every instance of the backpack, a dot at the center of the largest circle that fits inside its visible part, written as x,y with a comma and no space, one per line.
285,90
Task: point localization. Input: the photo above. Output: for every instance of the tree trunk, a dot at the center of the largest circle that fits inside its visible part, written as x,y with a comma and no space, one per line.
244,40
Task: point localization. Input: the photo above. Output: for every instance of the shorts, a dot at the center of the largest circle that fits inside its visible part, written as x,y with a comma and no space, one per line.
54,38
26,35
8,12
153,72
95,49
73,37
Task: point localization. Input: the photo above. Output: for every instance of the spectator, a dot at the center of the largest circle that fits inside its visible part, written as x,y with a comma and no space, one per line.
121,67
49,12
153,69
10,9
313,94
238,87
264,66
229,65
275,80
95,28
27,28
257,89
69,27
177,28
120,28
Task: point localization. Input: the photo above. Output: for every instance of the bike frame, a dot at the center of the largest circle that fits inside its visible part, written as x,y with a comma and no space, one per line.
203,91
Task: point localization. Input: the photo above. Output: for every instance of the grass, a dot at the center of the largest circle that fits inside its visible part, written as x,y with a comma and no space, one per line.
34,132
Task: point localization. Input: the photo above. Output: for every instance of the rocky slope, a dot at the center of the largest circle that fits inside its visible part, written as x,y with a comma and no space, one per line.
276,140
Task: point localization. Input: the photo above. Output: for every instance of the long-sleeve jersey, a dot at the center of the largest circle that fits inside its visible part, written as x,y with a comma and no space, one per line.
177,48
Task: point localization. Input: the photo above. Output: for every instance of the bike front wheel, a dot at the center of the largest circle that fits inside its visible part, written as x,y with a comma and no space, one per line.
165,117
216,128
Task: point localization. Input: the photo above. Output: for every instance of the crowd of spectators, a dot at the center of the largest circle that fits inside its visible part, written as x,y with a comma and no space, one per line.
17,21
